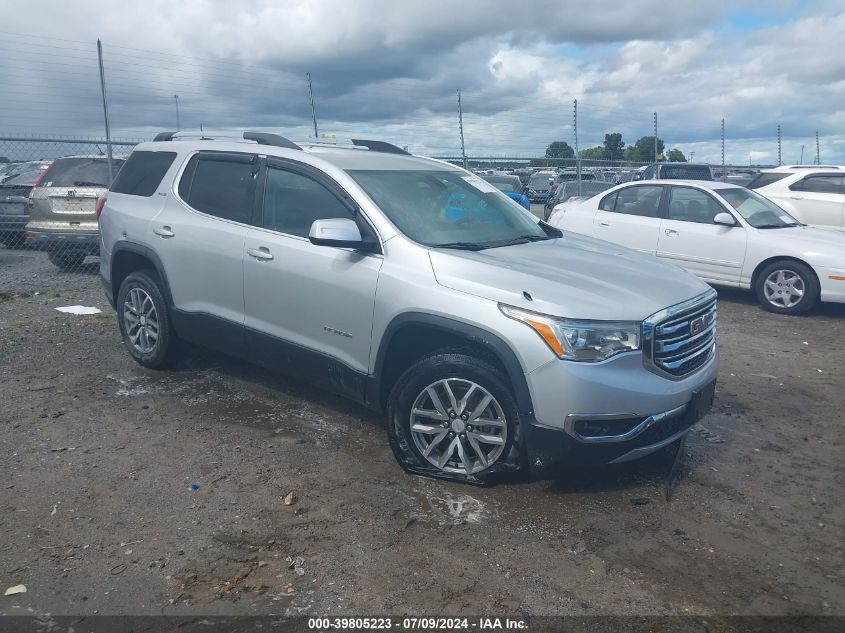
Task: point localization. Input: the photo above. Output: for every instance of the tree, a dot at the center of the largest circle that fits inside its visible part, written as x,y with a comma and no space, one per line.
614,146
676,156
632,154
560,149
645,149
593,153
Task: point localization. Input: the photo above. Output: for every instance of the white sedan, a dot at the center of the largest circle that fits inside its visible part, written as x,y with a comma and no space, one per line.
725,234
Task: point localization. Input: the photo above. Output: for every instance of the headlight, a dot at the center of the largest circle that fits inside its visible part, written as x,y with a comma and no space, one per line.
585,341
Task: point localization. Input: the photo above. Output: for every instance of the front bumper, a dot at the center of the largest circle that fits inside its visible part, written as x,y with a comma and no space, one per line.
50,241
610,412
832,283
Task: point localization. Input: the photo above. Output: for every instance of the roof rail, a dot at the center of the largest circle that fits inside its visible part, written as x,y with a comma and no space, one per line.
812,166
262,138
379,146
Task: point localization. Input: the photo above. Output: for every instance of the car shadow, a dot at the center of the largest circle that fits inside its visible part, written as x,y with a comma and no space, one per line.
746,297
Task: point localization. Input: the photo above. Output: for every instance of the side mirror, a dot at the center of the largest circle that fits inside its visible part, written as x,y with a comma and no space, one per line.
725,219
337,232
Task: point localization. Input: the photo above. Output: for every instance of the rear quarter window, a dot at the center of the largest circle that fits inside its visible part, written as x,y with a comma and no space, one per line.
142,173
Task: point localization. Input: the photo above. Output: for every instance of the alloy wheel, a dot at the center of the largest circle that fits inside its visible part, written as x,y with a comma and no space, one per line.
140,320
458,426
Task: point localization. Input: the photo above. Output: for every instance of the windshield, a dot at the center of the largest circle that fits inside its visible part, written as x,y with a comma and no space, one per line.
758,211
540,179
449,209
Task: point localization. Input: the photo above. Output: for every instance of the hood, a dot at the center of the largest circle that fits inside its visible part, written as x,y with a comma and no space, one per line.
810,236
573,276
819,247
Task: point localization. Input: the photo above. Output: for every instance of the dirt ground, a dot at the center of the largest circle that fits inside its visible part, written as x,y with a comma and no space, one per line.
126,491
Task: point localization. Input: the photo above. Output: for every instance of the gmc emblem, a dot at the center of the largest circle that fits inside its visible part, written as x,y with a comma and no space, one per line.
697,326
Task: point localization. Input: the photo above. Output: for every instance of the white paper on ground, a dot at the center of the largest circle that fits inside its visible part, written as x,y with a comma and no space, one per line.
79,310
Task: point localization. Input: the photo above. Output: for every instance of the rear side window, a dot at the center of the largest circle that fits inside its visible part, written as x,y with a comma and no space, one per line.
142,173
761,180
643,201
292,202
819,184
221,185
80,172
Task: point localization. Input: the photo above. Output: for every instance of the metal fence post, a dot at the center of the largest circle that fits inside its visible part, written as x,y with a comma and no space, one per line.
577,155
105,110
461,127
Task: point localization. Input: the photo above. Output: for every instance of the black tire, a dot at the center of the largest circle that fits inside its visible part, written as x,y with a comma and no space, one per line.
808,281
167,348
67,260
460,365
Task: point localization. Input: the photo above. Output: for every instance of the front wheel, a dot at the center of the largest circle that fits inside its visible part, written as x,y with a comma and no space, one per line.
452,415
787,287
144,321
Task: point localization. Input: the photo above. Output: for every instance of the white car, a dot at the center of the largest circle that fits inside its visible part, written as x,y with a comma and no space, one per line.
725,234
814,194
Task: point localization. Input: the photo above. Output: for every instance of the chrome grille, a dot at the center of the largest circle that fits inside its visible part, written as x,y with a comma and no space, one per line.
679,340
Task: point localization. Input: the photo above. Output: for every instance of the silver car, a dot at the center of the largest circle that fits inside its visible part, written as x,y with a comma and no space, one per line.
491,341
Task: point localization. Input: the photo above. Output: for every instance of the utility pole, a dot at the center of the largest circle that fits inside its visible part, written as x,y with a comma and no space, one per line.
655,142
780,162
105,110
461,128
818,153
313,110
577,155
723,150
176,99
801,162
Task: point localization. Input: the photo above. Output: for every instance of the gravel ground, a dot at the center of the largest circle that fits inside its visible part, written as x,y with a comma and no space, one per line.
99,460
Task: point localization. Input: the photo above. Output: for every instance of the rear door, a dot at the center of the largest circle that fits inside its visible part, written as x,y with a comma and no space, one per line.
631,217
819,200
690,239
199,236
308,308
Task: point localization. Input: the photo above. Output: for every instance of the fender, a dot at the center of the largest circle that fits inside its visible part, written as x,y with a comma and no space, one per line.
147,253
491,342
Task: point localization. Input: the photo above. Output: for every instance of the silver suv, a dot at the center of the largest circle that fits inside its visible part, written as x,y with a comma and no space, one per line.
492,341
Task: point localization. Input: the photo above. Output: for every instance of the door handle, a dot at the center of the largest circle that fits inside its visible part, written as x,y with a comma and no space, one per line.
603,223
164,231
261,253
797,197
671,232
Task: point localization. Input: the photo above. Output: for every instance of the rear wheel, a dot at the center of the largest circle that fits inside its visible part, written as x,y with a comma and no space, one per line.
66,260
787,287
145,321
453,415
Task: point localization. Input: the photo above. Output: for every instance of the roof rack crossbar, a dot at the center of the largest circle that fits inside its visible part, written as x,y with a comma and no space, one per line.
379,146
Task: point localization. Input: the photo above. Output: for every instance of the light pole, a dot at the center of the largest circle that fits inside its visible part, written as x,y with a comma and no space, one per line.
801,162
176,99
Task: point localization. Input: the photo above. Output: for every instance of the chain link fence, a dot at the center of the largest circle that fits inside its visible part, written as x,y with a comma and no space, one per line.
49,189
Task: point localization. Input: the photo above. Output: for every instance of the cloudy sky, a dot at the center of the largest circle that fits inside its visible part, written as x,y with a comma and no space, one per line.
390,70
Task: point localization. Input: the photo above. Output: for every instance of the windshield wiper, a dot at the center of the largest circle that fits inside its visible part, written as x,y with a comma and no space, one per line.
777,226
464,246
85,183
521,239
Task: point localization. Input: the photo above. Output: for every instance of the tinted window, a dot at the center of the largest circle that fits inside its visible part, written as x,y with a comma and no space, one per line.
680,171
692,205
642,201
221,187
761,180
607,203
292,202
142,173
819,184
80,172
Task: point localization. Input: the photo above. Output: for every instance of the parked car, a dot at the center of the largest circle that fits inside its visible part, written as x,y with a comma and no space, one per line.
725,234
510,186
14,194
814,194
570,191
491,342
61,208
539,186
675,171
